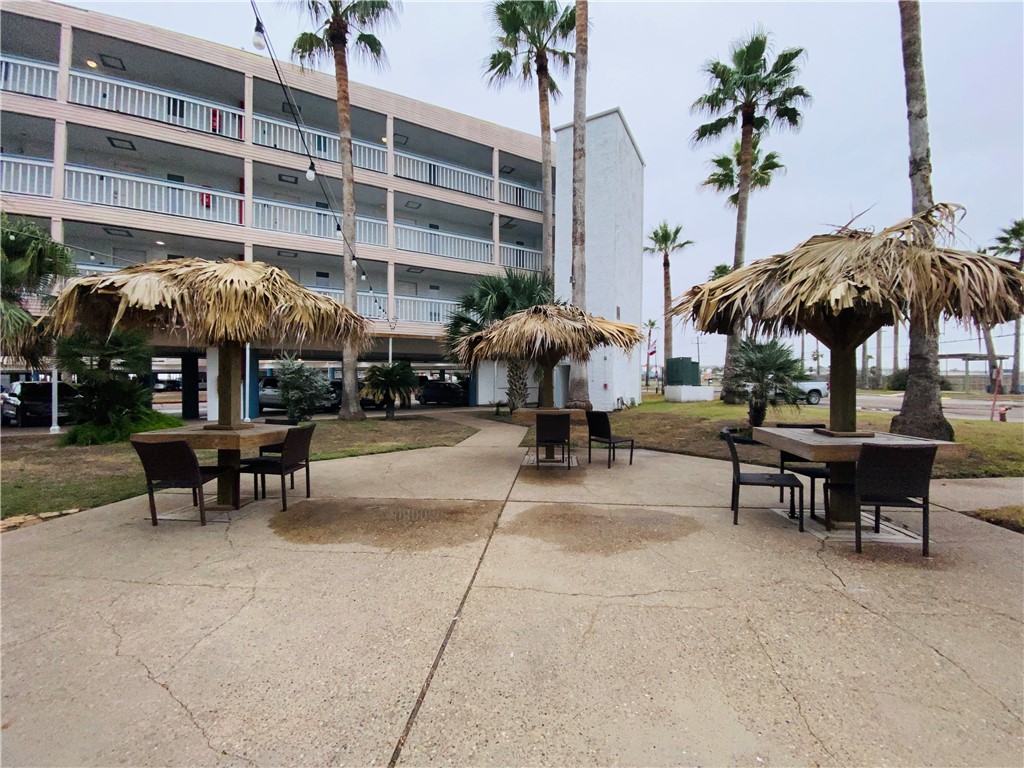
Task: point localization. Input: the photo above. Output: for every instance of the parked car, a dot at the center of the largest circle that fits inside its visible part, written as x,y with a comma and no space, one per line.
30,402
813,390
443,393
270,395
167,385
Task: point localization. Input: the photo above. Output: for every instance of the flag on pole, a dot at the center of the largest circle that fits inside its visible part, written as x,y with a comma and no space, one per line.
653,349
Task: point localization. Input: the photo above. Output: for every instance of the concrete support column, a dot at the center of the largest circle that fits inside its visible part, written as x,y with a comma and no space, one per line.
391,218
496,236
57,229
64,64
392,308
60,157
247,208
389,135
247,124
212,386
247,252
496,172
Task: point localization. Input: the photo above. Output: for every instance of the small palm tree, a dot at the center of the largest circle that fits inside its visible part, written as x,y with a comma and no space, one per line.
767,370
665,240
532,37
342,29
719,270
650,325
31,263
493,298
1011,243
388,383
726,177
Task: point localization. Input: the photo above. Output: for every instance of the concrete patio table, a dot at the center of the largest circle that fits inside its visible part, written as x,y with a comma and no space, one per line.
229,444
840,454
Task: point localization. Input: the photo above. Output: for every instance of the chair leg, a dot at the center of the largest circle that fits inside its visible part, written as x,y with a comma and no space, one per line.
611,454
537,449
813,516
307,478
802,508
568,457
792,501
878,519
202,507
284,493
255,486
590,450
735,503
195,499
924,532
631,453
263,484
152,502
857,532
293,482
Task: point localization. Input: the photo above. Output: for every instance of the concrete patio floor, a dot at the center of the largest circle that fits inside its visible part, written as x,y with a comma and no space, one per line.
449,606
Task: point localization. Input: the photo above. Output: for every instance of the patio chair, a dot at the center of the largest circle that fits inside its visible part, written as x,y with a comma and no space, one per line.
293,457
173,464
553,430
600,429
894,476
780,480
276,448
800,466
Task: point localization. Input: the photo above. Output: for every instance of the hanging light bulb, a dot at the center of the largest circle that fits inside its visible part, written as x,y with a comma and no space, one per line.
311,172
355,264
257,36
363,277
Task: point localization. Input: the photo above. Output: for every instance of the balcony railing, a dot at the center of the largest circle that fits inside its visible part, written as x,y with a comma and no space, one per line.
413,309
519,194
445,175
431,241
373,306
270,132
102,187
518,257
314,222
89,268
26,176
155,104
35,78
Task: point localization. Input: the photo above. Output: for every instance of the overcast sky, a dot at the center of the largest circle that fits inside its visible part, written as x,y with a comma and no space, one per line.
646,57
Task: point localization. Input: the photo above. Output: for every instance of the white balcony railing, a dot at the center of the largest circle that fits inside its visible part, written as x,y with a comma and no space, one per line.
26,176
270,132
422,240
102,187
35,78
155,104
89,268
373,306
413,309
519,194
517,257
445,175
314,222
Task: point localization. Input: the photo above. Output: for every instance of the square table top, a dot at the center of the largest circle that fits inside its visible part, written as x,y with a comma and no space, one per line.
197,436
814,446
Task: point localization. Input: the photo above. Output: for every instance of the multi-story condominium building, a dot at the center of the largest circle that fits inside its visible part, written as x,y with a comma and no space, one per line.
131,143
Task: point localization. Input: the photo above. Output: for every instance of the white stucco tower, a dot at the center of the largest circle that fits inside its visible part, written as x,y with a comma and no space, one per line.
614,249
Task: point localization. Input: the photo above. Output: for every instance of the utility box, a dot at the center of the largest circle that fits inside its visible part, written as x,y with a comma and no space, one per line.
682,371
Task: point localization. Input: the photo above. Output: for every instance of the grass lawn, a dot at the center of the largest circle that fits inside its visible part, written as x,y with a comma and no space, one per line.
40,476
1008,517
992,449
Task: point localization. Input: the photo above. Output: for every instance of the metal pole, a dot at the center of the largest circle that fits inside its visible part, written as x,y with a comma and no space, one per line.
54,424
390,339
248,384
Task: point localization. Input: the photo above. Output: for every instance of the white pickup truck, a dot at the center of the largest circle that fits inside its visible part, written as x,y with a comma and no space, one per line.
813,390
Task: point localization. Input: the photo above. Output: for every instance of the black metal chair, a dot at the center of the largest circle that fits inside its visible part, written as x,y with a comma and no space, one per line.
293,457
894,476
276,448
763,479
801,466
553,430
600,428
174,465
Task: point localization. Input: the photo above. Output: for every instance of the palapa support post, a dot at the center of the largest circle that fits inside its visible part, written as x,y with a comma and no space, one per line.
842,412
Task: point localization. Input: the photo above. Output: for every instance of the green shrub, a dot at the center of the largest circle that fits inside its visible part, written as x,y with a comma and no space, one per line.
118,428
303,389
897,381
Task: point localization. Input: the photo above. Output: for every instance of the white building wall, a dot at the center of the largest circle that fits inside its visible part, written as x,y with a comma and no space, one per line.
492,384
614,248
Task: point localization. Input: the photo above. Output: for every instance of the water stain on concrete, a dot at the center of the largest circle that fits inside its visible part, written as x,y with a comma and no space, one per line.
409,524
551,476
586,529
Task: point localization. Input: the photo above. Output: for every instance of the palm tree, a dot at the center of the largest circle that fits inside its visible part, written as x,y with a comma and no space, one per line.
719,270
921,412
666,241
529,36
388,383
579,384
493,298
725,178
650,325
754,93
341,29
768,371
1012,242
31,263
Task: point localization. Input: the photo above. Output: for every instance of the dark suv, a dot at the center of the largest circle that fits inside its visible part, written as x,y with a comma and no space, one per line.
29,401
443,393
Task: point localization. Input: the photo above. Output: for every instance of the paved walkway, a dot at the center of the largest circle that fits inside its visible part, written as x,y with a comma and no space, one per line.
449,606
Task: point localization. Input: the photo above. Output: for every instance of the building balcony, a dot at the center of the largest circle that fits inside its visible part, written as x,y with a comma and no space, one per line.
436,243
26,176
271,132
415,309
121,190
152,103
34,78
314,222
441,174
513,193
518,257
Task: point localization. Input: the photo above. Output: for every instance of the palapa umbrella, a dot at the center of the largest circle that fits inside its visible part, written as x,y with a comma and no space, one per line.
545,334
843,287
209,303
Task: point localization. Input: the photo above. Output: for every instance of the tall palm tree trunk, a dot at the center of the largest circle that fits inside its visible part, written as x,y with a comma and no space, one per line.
667,322
579,382
921,413
896,346
876,382
730,392
993,364
350,410
1015,370
547,214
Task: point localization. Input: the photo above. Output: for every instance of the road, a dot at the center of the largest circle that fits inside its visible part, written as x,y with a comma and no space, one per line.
952,407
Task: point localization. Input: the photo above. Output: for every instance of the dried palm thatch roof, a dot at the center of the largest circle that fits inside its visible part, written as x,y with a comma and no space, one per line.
861,276
546,333
210,303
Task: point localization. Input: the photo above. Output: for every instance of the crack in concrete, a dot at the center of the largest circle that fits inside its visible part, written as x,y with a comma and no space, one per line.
17,643
601,597
829,568
792,695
